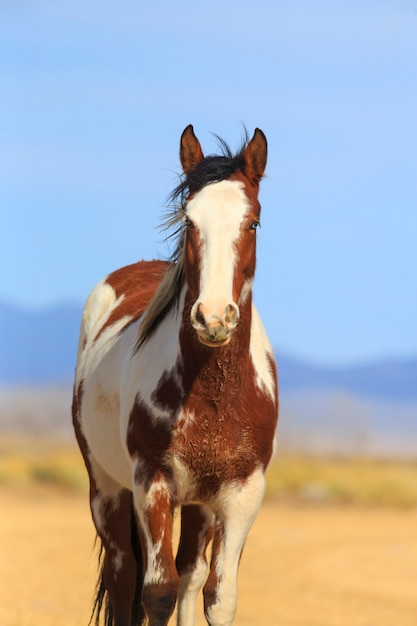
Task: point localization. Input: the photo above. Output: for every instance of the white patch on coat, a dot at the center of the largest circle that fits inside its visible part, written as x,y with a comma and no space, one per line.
156,491
189,587
99,305
118,560
218,211
98,369
96,510
154,571
183,485
260,350
246,290
107,488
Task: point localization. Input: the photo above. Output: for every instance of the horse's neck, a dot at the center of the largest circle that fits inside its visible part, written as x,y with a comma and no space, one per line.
216,366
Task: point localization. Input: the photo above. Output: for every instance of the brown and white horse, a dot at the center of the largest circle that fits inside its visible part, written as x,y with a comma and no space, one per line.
176,401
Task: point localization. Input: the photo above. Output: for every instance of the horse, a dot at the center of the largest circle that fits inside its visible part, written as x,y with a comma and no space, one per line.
175,401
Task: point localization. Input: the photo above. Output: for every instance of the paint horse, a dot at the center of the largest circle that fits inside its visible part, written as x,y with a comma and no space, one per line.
176,402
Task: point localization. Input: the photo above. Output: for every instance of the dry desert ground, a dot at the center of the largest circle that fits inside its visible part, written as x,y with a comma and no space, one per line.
302,565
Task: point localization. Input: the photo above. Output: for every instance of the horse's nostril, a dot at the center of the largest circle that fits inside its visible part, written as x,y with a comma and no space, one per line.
199,316
232,314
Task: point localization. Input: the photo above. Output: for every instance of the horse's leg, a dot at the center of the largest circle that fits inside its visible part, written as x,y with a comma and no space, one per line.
111,508
160,586
236,512
196,532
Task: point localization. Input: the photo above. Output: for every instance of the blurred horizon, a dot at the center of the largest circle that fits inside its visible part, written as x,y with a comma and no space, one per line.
367,410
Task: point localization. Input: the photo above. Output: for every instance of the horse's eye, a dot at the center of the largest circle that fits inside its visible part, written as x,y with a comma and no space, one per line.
186,220
254,225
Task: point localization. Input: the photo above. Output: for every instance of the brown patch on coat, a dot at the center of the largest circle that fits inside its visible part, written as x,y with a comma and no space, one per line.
196,534
168,395
246,245
149,440
212,583
137,283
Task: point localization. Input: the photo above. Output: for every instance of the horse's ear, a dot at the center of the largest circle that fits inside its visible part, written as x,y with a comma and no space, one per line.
190,150
255,156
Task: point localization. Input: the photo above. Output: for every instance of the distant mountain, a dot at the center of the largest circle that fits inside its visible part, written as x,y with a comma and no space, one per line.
39,347
392,380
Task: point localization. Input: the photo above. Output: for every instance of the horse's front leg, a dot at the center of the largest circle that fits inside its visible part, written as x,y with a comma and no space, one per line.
196,533
160,586
237,508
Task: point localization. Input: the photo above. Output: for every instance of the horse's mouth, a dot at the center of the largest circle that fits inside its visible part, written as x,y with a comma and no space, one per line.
213,342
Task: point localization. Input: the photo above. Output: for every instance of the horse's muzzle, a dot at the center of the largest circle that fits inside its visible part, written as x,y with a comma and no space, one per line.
214,330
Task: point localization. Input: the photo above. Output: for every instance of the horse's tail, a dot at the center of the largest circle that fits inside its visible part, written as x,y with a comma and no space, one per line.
138,613
101,601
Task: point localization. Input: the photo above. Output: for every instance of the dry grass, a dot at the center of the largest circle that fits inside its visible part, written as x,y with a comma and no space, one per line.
290,478
25,462
362,481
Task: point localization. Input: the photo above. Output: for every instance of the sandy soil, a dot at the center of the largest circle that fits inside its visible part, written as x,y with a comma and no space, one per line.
301,566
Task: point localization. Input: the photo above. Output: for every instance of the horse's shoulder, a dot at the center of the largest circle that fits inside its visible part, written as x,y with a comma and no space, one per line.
122,295
137,281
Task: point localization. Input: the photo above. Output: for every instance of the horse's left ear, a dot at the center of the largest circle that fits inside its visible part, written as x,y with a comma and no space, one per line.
255,156
190,150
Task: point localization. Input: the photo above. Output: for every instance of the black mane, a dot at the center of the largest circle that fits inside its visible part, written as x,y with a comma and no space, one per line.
213,168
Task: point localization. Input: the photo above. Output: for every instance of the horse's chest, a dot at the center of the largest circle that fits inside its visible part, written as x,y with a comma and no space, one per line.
209,451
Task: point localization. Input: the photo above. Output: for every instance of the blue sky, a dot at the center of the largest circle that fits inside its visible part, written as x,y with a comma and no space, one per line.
94,97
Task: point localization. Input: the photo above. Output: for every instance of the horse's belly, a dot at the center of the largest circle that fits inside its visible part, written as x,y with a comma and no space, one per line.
101,429
98,380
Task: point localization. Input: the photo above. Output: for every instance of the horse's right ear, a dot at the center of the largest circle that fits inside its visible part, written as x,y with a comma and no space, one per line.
190,150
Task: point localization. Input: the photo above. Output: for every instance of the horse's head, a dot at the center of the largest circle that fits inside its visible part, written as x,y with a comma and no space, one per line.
222,213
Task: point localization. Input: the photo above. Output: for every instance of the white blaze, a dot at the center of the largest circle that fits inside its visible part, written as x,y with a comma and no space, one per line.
218,211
